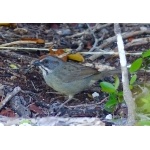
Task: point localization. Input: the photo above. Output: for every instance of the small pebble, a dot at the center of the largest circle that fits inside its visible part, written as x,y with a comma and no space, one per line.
95,94
109,117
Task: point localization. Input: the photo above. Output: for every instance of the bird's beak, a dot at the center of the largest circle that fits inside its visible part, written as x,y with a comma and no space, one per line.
36,63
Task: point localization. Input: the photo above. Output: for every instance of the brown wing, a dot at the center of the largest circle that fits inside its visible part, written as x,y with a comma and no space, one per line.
72,71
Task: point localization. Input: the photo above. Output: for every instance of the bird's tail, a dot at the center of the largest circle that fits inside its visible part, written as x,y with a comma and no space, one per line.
107,73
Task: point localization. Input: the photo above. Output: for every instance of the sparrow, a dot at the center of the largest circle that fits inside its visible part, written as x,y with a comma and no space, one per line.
69,78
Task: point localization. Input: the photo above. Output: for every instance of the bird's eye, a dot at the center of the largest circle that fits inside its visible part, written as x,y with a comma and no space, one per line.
45,61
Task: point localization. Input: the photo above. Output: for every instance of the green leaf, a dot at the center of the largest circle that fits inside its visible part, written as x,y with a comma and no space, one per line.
136,65
107,87
117,82
111,103
25,121
120,96
131,87
13,66
120,93
146,53
133,79
143,123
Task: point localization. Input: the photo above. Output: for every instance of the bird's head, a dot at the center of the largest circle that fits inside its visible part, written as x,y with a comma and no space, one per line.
48,64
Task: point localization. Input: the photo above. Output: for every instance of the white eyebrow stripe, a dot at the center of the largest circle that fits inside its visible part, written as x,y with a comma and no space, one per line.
45,70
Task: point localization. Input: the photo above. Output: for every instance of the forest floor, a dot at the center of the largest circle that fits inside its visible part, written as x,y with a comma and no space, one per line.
36,99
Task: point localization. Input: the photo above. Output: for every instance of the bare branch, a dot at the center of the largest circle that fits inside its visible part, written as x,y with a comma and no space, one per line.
18,42
95,38
111,53
125,81
95,28
135,42
24,48
9,96
80,45
113,39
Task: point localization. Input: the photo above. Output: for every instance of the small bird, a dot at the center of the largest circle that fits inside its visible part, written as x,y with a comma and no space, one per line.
69,78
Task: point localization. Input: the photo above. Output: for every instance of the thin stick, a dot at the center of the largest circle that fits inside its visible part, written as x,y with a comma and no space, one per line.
111,53
88,105
25,48
18,42
95,28
95,38
135,42
113,39
9,96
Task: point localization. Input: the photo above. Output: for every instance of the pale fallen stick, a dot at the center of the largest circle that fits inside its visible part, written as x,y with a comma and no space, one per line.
113,39
46,49
99,27
139,41
27,48
110,53
18,42
95,28
24,48
9,96
88,105
135,42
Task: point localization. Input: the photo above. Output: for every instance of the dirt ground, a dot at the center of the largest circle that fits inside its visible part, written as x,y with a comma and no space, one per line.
36,98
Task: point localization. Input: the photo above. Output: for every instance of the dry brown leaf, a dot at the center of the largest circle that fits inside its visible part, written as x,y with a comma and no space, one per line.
37,41
7,112
76,57
35,109
57,53
130,39
40,41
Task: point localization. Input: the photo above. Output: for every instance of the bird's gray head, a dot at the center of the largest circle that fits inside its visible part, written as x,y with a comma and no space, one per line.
48,64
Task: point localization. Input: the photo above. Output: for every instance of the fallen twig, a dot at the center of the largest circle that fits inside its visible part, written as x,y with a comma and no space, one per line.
88,105
113,39
9,96
99,26
18,42
95,38
25,48
139,41
95,28
80,46
134,42
111,53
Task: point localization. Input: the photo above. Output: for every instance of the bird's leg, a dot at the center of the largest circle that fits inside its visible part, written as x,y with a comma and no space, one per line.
68,100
